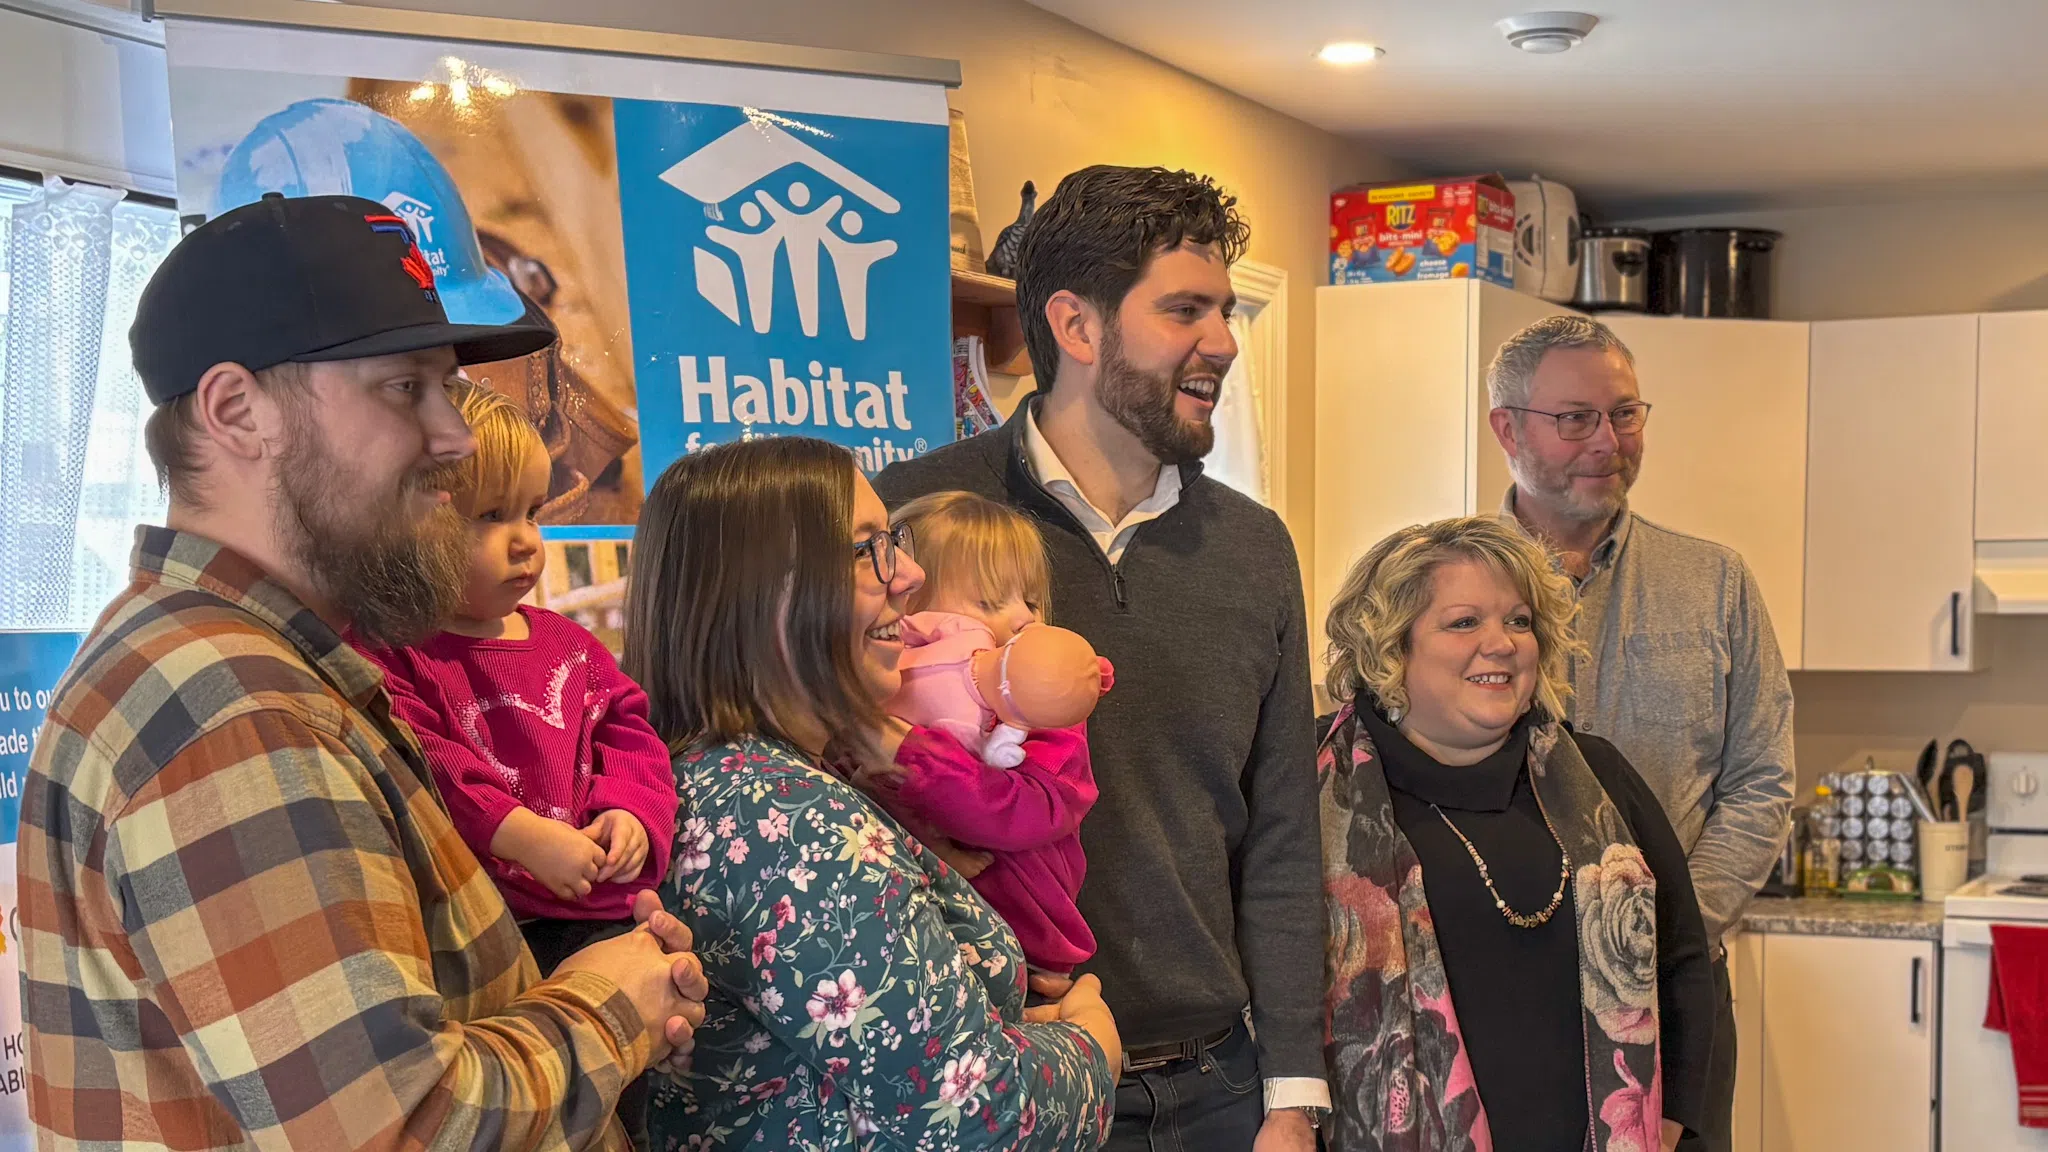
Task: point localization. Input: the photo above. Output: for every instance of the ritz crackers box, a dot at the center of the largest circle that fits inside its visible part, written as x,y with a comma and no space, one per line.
1423,230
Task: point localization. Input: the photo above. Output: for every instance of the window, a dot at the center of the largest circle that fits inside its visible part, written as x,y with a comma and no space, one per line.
577,559
74,478
1239,455
1251,417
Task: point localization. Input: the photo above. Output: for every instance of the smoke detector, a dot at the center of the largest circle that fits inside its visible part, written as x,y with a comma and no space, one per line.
1547,33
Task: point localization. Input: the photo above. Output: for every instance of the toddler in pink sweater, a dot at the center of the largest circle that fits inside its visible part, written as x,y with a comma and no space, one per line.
540,747
1012,800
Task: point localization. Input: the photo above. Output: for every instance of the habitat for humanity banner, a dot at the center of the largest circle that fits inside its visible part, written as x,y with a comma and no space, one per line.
31,663
727,252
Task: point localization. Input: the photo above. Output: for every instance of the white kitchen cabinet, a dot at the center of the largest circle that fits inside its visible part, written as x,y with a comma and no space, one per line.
1401,413
1847,1044
1746,988
1402,435
2012,426
1724,455
1890,481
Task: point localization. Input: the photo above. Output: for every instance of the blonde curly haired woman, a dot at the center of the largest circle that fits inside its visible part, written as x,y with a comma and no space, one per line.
1516,958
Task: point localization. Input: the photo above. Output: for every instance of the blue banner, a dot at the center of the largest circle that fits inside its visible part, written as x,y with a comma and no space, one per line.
31,663
788,276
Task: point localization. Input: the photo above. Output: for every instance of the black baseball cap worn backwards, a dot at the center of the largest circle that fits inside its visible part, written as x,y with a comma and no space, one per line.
301,279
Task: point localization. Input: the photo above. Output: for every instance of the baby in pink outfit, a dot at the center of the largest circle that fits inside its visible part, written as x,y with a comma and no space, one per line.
1016,796
939,688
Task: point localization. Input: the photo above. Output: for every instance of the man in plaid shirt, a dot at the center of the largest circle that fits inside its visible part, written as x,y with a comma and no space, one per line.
246,920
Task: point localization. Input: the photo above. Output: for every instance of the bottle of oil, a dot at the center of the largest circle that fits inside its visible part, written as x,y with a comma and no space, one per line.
1823,845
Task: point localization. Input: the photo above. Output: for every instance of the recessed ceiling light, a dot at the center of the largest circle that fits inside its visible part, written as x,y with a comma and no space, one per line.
1547,33
1346,53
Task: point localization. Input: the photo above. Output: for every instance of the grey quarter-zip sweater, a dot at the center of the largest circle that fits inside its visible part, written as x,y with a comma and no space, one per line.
1204,854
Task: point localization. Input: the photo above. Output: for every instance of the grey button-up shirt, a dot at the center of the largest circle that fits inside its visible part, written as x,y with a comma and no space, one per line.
1682,672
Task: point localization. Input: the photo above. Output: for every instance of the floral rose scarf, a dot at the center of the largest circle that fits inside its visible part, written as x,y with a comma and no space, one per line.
1399,1072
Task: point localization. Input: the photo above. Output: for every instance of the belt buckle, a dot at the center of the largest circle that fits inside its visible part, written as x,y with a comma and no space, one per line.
1184,1050
1131,1065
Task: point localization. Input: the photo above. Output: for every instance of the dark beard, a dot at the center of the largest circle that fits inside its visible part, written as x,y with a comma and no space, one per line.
393,578
1143,403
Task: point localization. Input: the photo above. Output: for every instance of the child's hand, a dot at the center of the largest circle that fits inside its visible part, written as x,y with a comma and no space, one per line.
565,860
885,779
559,856
624,841
967,862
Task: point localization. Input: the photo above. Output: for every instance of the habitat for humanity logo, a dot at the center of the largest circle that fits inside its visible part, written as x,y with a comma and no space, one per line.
787,276
769,227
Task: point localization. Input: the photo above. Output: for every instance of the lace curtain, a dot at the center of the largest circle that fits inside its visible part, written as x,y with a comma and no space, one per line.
74,478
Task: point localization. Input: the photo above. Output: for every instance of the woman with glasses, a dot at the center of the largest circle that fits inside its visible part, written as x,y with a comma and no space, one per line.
1515,954
861,992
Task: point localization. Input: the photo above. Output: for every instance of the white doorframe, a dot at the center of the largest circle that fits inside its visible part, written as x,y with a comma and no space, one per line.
1262,300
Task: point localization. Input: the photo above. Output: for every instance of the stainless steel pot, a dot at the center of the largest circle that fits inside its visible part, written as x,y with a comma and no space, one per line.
1614,269
1712,272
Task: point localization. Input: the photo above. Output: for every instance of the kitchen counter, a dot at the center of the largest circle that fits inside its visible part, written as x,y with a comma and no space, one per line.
1834,916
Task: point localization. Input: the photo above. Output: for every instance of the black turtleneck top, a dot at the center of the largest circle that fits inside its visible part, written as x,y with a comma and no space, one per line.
1517,989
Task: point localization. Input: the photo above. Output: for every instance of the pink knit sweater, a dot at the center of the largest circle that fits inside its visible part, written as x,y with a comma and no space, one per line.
548,723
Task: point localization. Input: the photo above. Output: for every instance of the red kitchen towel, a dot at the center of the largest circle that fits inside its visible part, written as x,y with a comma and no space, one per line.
2018,1007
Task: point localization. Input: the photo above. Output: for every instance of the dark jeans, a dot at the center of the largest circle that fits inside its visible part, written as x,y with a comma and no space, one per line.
1214,1104
1717,1123
553,941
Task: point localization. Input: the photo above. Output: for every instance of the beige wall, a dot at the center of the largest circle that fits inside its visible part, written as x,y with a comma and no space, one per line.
1902,257
1842,716
1043,97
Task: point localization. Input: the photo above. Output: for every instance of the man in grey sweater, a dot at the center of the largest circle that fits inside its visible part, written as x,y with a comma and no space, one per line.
1682,671
1204,854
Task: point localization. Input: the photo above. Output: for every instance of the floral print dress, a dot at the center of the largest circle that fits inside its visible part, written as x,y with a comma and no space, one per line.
862,994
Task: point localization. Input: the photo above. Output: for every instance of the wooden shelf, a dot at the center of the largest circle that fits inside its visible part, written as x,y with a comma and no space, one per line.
986,306
982,288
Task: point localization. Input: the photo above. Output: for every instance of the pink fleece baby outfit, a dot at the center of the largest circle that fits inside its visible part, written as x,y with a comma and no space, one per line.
1028,817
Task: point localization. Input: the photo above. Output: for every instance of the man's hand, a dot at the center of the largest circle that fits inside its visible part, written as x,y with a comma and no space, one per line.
651,976
685,970
563,858
624,840
1286,1130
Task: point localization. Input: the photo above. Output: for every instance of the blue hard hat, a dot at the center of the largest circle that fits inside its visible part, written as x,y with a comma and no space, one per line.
339,147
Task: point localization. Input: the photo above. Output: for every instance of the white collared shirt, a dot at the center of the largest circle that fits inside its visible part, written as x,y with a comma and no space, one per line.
1112,538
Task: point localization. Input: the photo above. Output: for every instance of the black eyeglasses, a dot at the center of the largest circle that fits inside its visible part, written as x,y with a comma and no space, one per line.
882,548
1581,424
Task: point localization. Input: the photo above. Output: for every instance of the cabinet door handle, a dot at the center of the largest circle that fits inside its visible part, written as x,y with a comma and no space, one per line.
1916,991
1955,623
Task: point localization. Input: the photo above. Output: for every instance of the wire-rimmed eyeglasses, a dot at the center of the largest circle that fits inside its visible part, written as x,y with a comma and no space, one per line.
1581,423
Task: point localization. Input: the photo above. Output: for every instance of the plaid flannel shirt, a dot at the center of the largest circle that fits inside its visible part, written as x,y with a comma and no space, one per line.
247,922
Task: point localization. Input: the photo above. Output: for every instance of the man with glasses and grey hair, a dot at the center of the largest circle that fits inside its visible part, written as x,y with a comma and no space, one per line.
1682,669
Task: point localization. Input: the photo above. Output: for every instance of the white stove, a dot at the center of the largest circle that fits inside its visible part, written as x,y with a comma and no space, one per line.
1979,1095
2009,897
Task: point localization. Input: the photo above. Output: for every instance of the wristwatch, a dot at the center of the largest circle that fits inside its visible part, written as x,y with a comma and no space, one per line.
1312,1114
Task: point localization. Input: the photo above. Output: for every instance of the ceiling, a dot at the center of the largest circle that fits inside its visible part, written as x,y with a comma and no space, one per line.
1669,105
